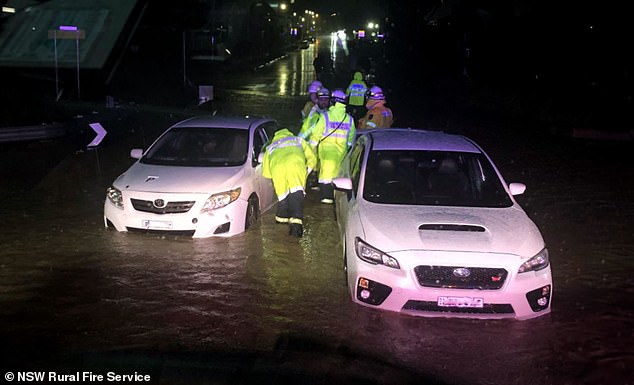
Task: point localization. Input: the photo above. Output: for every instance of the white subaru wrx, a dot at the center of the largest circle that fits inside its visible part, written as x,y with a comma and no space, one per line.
429,227
200,178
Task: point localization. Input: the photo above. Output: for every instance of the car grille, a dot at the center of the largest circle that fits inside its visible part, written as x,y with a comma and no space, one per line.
456,277
169,208
185,233
431,306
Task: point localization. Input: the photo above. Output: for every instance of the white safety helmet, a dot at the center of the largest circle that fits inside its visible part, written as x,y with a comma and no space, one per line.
314,86
339,96
323,93
376,93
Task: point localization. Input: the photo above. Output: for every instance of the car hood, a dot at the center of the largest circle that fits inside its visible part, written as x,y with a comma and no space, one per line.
167,179
491,230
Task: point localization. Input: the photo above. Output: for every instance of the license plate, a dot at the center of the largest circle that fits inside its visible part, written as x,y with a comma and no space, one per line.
460,302
157,225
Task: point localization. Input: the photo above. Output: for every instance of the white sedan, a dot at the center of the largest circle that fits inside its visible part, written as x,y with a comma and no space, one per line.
200,178
429,227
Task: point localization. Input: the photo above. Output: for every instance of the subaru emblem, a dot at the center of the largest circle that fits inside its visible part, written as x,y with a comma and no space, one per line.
159,203
461,272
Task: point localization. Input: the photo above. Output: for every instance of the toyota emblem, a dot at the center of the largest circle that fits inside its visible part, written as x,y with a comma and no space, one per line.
159,203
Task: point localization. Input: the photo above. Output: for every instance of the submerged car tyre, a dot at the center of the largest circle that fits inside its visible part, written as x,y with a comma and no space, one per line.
253,213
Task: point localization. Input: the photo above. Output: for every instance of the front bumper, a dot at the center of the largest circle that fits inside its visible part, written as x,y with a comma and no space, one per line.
522,296
223,222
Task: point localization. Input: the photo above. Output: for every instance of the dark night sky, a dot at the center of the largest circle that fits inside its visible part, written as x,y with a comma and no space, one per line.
354,11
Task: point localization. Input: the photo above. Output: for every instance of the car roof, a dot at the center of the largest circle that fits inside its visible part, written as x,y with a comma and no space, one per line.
414,139
224,121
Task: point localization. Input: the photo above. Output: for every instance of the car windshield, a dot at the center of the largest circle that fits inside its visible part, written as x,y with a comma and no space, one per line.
435,178
199,147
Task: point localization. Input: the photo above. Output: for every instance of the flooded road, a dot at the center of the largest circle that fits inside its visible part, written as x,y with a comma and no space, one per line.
74,296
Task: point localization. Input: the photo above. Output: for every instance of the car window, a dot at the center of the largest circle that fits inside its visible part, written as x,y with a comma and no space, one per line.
199,147
433,178
355,163
270,128
260,138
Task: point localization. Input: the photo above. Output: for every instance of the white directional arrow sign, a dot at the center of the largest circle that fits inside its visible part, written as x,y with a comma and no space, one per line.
101,132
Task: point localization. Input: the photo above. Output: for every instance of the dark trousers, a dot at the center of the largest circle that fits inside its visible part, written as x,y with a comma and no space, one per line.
357,112
291,207
326,191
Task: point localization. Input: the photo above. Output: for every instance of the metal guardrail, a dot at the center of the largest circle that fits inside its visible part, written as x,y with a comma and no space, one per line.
28,133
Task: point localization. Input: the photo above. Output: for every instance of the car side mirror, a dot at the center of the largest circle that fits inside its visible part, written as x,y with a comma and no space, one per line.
517,188
136,153
343,184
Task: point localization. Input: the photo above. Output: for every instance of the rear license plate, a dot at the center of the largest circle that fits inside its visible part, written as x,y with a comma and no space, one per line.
460,302
157,225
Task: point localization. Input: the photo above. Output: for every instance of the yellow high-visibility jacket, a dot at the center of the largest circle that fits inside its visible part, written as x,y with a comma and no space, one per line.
333,135
356,90
287,161
309,123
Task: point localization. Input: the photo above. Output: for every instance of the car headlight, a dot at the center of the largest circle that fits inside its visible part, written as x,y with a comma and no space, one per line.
220,200
114,195
538,262
373,255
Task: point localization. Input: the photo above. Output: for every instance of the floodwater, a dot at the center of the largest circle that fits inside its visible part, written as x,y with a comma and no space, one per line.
75,296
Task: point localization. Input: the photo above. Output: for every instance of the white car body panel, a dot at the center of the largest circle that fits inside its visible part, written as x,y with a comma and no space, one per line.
507,230
151,178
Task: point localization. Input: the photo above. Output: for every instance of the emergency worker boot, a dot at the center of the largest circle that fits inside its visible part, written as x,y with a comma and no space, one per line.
327,193
296,230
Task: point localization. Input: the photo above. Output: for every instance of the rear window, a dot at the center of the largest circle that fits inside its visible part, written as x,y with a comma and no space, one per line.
434,178
199,147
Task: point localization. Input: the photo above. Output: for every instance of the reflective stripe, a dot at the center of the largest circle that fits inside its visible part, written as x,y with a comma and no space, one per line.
281,220
357,90
290,191
296,221
290,141
342,136
296,189
337,126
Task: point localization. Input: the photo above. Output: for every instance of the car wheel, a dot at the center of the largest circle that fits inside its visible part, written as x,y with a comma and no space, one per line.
253,212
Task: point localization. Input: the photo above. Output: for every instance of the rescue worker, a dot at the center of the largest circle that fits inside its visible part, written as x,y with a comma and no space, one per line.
287,161
356,95
378,115
313,87
333,135
323,102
